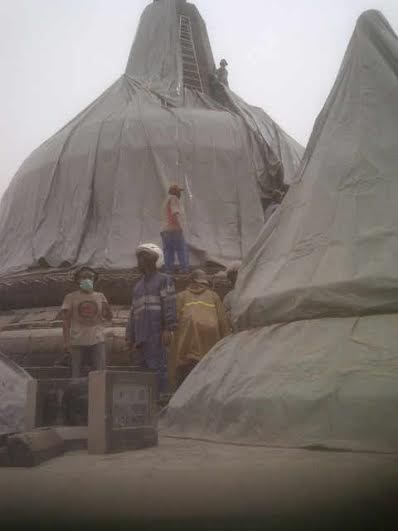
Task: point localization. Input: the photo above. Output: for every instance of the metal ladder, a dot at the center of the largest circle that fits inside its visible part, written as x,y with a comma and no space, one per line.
191,74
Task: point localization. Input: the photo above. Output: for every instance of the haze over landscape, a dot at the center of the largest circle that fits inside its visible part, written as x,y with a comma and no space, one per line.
57,57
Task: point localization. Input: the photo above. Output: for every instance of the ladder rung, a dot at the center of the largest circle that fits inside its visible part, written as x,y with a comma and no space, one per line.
194,73
193,87
190,59
190,67
192,80
191,74
190,63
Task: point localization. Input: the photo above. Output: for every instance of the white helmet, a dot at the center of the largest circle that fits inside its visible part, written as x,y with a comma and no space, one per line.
154,250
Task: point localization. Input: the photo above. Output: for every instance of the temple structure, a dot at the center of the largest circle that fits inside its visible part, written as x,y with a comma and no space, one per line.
93,192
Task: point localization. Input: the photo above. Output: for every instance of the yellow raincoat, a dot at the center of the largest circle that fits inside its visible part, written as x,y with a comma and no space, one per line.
202,322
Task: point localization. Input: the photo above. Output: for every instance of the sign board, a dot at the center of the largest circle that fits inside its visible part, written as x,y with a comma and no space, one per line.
122,411
130,405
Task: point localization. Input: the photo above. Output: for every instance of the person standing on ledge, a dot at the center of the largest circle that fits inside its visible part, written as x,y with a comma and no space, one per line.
83,313
222,73
153,317
172,232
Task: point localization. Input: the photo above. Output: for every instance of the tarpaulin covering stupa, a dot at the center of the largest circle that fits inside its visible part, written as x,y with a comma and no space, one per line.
315,362
14,396
94,191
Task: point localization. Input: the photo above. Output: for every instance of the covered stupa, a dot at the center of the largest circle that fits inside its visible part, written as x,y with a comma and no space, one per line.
93,192
315,358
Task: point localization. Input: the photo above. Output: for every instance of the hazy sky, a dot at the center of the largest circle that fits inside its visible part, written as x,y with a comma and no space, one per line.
57,56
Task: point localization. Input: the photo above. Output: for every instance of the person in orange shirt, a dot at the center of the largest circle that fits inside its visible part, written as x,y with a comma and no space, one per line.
173,233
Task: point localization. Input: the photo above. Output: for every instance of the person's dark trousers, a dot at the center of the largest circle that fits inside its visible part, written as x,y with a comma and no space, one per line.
174,244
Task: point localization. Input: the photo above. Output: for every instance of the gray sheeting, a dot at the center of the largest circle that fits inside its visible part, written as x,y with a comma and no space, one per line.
13,396
94,190
332,248
330,383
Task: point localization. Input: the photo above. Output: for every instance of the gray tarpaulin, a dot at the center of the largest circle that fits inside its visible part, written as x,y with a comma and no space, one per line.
334,249
94,191
14,383
327,382
298,374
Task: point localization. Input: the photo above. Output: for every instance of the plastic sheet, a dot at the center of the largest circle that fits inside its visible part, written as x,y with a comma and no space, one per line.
334,249
324,383
13,396
308,367
93,192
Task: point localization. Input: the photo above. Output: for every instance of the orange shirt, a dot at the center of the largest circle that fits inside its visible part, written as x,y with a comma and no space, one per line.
170,208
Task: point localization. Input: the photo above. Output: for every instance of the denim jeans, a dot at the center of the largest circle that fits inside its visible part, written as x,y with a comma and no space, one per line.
174,244
95,355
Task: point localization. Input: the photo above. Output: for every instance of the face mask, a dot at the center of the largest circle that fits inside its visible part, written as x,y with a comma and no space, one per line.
87,285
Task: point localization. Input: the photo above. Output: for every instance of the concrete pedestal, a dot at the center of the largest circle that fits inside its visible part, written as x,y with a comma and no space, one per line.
122,411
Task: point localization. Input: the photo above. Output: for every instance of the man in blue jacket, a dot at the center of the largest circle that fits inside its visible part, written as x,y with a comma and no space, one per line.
153,316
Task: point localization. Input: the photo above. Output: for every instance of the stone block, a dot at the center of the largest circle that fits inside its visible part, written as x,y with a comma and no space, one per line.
74,437
62,402
36,315
47,341
15,342
32,448
47,373
122,411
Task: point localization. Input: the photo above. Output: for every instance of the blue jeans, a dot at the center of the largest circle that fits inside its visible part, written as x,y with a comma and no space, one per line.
96,355
174,243
152,355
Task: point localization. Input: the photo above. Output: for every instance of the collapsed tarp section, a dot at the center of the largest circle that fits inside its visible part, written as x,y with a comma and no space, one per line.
334,248
282,154
16,389
328,382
